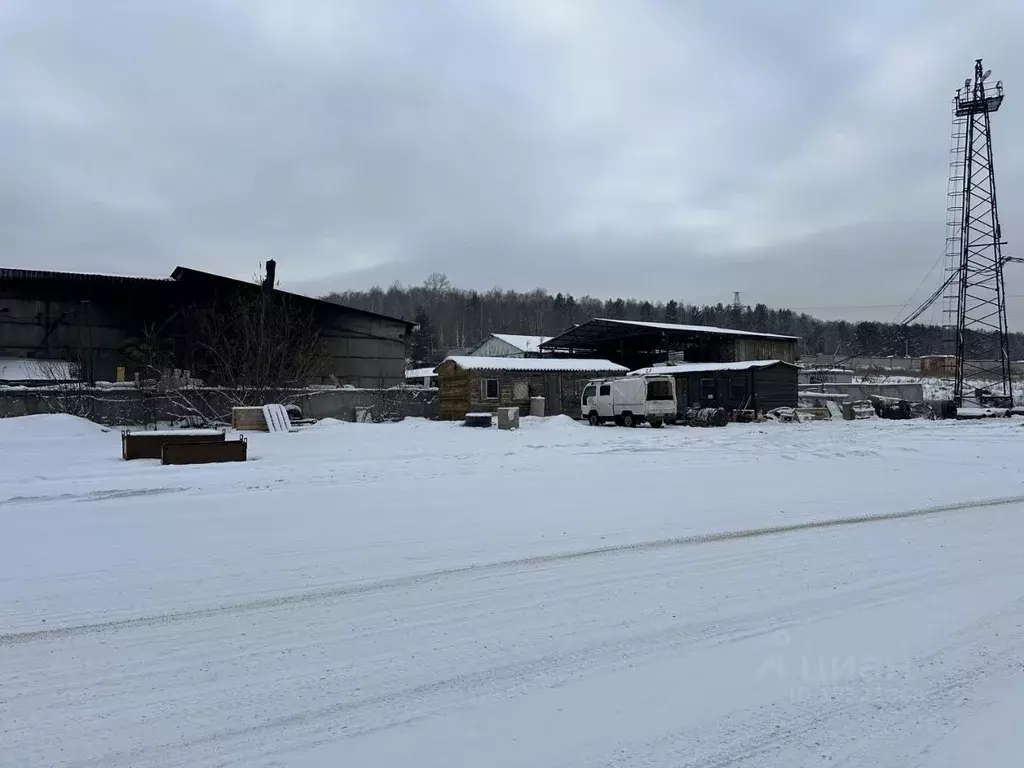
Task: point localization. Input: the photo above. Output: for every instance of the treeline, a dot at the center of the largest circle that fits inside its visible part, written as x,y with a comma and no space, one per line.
454,318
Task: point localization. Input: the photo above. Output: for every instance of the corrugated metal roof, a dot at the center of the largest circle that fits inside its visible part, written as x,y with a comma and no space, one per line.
525,343
698,329
744,365
600,333
538,364
46,274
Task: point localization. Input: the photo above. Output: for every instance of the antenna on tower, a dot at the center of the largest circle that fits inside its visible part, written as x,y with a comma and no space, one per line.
975,305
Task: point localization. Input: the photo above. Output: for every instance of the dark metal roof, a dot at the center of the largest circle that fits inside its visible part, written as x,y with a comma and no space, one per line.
185,272
45,274
176,275
603,332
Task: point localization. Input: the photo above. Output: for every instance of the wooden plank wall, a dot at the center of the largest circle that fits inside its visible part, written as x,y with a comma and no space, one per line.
461,392
763,349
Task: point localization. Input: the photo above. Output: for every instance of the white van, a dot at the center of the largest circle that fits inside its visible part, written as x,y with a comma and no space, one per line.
630,400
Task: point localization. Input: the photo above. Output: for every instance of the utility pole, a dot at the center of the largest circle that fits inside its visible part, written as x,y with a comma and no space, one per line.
974,249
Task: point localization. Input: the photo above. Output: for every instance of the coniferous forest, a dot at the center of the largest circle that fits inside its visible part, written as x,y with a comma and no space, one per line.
453,318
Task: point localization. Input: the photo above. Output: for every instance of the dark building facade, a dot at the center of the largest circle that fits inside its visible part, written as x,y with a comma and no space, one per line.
756,385
637,344
96,320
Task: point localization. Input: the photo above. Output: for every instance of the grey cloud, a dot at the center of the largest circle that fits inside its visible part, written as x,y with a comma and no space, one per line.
657,148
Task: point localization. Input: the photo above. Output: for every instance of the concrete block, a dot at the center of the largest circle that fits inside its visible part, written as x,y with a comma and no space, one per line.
508,418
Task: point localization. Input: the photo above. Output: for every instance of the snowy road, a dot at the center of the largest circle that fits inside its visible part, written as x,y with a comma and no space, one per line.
256,616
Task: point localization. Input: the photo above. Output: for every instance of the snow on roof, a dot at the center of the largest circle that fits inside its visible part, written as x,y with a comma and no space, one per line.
744,365
34,369
696,328
524,343
470,363
812,369
419,373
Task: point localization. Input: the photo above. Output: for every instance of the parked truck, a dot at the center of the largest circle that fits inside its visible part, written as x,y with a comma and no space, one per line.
630,401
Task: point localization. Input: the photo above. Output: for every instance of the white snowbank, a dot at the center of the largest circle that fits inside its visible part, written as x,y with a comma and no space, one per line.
58,426
550,423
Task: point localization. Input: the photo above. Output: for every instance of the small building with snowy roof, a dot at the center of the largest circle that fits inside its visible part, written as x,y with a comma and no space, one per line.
475,384
510,345
752,385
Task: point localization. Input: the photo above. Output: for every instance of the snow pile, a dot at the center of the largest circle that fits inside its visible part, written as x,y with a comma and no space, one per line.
550,423
47,426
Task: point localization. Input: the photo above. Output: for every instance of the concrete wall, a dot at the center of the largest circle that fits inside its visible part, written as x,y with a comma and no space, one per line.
365,351
133,406
902,364
913,393
899,365
825,376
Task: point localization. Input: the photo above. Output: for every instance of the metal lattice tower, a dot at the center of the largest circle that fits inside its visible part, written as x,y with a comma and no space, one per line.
975,302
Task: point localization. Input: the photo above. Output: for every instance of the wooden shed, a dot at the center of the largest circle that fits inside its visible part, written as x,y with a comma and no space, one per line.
470,384
758,385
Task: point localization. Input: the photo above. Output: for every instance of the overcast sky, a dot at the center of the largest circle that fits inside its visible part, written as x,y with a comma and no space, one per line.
794,151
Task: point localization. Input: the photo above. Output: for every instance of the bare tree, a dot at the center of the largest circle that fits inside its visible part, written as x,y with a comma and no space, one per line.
257,344
252,349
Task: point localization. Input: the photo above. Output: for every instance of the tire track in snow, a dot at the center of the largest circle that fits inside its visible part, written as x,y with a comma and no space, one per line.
859,728
386,709
121,493
336,593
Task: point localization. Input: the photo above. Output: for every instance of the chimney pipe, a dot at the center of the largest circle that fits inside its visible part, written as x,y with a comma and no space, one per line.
268,281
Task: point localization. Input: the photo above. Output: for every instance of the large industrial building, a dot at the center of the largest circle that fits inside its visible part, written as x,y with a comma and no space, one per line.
638,344
95,319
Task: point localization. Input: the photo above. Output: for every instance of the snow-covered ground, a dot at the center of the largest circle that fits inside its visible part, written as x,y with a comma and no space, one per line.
426,594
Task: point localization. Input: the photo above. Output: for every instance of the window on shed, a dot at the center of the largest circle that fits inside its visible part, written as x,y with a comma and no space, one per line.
659,389
606,389
738,389
520,391
708,391
489,389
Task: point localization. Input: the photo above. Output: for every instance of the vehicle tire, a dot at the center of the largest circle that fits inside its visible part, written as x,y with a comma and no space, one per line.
594,419
656,423
628,420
